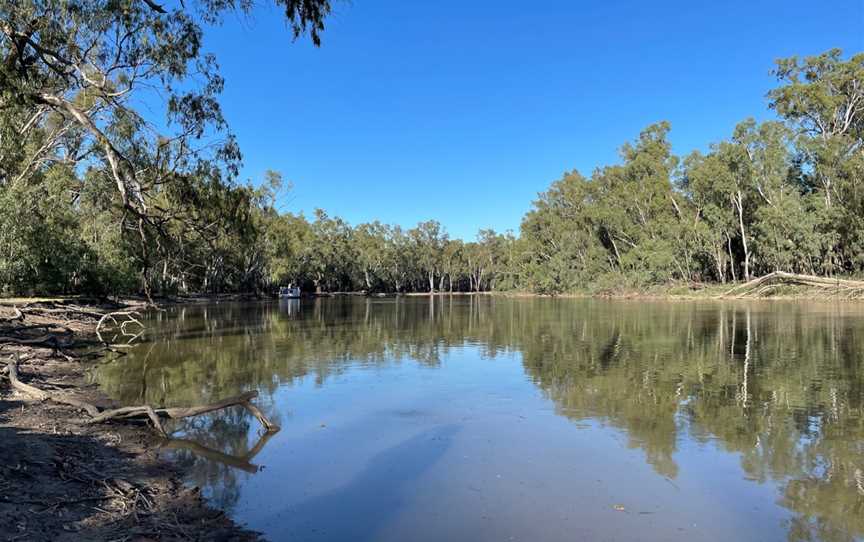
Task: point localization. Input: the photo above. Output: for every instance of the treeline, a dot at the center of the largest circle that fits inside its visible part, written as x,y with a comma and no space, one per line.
96,199
327,253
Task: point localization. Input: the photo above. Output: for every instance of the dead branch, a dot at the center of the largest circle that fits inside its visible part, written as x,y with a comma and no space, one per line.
176,413
154,414
126,318
40,395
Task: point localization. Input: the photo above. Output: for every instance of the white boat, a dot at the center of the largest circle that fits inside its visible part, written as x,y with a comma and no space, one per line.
289,292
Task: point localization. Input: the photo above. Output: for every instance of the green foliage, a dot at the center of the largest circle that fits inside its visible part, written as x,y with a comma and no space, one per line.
153,198
774,196
79,214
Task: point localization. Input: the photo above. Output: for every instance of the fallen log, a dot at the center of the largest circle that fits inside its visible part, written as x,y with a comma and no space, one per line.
761,285
176,413
153,414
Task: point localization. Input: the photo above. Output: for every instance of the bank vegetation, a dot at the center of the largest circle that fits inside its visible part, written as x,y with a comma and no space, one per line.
98,196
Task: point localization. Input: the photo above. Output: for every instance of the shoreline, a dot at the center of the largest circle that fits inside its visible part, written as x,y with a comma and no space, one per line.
65,479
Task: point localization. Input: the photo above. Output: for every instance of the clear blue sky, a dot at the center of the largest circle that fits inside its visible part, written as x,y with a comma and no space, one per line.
463,111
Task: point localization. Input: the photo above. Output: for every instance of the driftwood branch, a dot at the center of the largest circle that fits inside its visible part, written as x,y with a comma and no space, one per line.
155,415
176,413
40,395
121,320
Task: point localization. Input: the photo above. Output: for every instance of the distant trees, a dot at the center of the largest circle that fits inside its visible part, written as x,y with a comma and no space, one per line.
378,257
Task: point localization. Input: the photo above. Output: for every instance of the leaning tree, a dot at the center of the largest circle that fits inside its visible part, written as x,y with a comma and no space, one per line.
80,81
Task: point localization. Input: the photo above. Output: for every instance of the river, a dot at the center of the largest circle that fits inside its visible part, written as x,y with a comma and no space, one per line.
492,418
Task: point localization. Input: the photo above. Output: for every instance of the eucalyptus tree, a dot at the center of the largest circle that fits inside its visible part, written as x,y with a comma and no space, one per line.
715,226
331,253
724,179
452,258
636,208
429,241
72,81
288,238
562,244
399,257
370,242
822,98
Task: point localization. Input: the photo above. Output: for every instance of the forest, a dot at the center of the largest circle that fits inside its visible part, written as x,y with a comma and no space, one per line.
98,198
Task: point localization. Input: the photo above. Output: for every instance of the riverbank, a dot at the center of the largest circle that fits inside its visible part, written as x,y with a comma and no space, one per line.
62,478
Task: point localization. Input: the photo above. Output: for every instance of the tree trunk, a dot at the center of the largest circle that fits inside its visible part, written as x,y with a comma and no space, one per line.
739,203
719,264
617,254
731,257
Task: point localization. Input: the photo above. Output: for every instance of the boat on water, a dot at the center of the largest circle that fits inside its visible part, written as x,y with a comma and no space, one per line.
289,292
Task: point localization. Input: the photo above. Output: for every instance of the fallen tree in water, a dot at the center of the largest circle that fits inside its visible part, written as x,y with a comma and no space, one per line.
771,283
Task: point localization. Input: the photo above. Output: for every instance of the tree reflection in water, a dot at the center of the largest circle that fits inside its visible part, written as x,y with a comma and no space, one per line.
780,384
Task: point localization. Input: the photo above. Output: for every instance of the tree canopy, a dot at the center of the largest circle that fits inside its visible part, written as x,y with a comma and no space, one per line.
94,197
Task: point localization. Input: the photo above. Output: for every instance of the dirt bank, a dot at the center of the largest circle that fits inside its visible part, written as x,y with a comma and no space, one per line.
63,479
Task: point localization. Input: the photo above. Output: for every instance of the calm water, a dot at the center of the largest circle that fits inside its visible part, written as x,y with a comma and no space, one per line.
518,419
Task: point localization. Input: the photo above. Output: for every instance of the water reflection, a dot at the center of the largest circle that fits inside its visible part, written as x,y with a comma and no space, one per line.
779,385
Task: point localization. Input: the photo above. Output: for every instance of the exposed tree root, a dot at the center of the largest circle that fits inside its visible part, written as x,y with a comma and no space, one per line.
770,283
154,414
